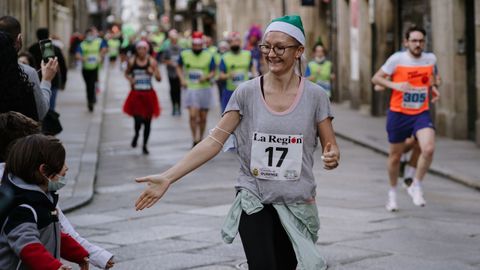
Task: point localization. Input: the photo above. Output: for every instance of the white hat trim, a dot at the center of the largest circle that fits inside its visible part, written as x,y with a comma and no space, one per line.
288,29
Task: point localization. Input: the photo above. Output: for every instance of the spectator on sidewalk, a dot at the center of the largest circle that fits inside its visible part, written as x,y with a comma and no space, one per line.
91,52
26,58
18,93
19,84
60,79
15,125
30,236
277,120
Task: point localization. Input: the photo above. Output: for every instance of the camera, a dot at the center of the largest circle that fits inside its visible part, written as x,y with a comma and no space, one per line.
46,47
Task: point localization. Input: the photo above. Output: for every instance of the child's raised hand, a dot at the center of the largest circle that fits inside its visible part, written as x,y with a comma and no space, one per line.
84,265
110,264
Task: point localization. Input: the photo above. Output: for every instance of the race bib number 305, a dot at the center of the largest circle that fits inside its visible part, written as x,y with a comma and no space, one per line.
276,157
414,97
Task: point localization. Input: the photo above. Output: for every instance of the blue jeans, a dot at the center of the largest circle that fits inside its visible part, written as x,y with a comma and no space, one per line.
53,98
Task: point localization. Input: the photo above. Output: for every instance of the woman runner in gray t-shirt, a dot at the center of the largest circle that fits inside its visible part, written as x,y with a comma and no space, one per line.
276,119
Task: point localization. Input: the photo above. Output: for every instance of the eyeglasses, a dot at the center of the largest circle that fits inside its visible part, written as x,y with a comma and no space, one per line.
421,41
279,51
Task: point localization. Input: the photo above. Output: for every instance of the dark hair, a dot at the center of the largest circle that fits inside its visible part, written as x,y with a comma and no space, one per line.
90,30
14,125
10,25
319,45
14,83
29,56
415,28
28,153
42,33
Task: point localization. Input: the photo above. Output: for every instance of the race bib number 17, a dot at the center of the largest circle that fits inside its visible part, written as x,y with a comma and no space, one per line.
276,157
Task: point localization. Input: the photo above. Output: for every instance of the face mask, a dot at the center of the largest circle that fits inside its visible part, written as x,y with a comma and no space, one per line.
90,37
197,52
235,49
56,185
319,59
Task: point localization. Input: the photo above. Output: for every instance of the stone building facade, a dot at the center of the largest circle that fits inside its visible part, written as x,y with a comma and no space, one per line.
453,29
62,17
362,34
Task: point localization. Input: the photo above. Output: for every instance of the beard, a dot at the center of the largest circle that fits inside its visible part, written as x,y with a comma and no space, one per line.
417,52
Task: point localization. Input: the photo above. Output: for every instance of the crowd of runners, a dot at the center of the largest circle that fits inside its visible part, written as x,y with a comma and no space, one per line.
261,79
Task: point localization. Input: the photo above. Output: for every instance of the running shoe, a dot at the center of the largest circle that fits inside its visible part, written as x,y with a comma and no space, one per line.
391,205
134,141
416,193
145,150
407,182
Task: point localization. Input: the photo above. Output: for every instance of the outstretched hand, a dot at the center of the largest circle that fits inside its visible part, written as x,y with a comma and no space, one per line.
157,186
330,157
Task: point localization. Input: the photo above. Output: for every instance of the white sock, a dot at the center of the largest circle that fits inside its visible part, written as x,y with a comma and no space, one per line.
392,190
410,171
416,182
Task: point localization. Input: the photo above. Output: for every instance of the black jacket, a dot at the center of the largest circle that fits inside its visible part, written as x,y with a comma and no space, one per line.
61,78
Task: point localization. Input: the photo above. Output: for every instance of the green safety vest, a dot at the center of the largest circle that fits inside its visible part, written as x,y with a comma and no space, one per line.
158,39
91,53
238,66
196,67
184,43
320,72
113,47
212,49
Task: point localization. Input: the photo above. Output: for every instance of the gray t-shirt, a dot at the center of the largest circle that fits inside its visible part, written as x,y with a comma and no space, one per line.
310,107
172,53
41,90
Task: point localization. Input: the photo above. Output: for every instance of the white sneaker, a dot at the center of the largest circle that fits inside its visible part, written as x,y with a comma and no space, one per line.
416,193
391,205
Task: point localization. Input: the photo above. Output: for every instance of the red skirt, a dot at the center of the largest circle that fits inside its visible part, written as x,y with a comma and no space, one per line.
142,103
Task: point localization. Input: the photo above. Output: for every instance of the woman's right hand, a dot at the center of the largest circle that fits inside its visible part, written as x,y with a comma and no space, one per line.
49,69
65,267
157,186
183,83
131,80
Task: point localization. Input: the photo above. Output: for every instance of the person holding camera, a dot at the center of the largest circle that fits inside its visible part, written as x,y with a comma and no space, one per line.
20,87
60,79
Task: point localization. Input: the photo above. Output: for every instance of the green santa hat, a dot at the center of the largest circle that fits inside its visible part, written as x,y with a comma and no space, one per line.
290,25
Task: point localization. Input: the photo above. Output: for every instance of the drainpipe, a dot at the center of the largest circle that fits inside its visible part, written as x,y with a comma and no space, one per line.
374,106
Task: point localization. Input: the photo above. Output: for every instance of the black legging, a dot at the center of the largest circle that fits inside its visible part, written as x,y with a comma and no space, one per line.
265,241
138,121
90,77
175,91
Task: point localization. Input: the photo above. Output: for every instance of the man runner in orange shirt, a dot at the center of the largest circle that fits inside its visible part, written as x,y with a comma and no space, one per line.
412,79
